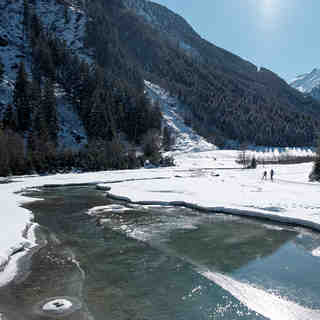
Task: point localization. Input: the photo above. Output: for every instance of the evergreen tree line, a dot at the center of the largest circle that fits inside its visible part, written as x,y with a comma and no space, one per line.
45,158
315,173
1,70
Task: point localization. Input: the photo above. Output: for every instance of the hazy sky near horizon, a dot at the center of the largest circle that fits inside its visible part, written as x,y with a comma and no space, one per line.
281,35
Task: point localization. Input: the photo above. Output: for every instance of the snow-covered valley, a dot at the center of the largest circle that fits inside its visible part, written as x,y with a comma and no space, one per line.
209,179
204,178
204,239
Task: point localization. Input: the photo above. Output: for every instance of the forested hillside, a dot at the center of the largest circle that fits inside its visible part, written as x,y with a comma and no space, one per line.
227,97
108,96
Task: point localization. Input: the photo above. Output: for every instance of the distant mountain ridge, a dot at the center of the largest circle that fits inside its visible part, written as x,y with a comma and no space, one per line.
227,96
307,82
183,36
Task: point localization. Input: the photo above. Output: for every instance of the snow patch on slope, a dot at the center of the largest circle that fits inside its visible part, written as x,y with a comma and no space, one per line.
52,16
187,140
11,29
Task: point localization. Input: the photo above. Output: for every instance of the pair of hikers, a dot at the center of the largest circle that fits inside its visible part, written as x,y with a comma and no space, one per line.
264,177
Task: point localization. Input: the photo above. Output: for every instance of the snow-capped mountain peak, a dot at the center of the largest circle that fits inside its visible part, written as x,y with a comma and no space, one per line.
306,82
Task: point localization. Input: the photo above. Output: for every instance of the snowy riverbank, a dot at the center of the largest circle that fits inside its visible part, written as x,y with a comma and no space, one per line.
212,186
209,179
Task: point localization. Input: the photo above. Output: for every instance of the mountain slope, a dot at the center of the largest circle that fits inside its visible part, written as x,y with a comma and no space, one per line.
186,140
174,27
100,52
228,97
60,108
67,24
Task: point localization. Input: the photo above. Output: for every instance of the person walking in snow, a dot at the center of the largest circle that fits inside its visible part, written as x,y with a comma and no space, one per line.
264,177
271,174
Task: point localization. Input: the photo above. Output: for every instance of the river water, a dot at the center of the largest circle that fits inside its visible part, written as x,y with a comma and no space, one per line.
155,263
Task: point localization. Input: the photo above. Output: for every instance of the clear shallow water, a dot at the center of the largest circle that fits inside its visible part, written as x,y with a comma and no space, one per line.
168,263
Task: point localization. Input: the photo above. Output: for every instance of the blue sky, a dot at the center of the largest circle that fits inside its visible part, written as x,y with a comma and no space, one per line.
281,35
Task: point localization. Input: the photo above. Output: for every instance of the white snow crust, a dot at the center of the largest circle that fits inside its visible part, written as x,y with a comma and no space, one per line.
112,207
57,305
316,252
265,303
209,179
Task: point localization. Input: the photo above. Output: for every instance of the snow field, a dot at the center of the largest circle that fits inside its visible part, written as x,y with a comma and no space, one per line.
203,178
209,180
290,198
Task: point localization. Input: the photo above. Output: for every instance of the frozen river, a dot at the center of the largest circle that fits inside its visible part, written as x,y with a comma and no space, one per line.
142,263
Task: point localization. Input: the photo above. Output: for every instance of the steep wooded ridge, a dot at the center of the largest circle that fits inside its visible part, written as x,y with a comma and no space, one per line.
226,95
63,105
77,63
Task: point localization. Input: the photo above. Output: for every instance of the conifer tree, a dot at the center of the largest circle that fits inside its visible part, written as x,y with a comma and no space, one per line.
66,14
26,17
168,138
31,142
9,120
49,107
97,122
35,94
16,153
36,28
1,70
4,154
21,99
315,174
40,127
